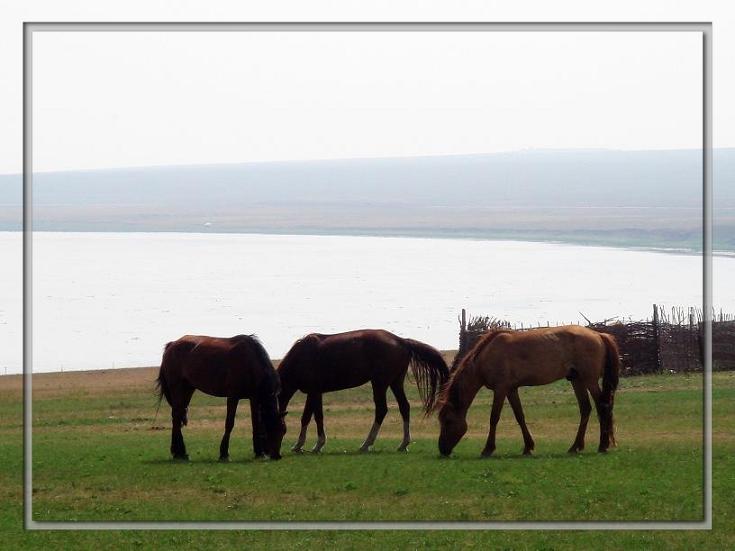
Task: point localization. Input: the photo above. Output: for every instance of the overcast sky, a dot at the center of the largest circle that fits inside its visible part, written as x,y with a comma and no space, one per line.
132,99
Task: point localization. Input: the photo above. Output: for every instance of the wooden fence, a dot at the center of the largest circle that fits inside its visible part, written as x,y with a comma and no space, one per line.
671,341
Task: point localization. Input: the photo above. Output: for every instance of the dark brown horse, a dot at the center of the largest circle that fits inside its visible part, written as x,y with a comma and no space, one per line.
325,363
233,368
505,360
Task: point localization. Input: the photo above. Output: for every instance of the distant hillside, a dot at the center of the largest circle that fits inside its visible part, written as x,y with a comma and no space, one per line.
650,197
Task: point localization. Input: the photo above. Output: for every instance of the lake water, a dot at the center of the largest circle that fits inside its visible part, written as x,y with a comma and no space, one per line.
103,300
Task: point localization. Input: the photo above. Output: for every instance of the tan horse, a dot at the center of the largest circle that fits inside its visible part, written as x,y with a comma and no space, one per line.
505,360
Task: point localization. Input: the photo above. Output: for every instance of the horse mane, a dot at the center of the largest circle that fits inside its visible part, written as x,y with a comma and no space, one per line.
261,352
270,383
269,386
449,393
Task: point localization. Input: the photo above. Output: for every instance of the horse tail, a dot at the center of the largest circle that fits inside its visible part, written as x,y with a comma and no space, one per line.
429,370
610,379
162,389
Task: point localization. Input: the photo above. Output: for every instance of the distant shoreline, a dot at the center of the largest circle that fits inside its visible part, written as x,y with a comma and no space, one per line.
426,234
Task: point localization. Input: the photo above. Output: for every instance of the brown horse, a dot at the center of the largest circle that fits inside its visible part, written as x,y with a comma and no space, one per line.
236,368
505,360
324,363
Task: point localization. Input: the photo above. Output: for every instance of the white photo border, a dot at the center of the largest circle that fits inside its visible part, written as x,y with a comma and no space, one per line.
29,28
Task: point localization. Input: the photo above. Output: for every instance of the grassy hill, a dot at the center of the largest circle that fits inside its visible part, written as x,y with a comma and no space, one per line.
619,198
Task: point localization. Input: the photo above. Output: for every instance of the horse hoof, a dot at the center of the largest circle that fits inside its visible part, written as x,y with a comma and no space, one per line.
297,450
486,455
601,450
402,449
363,449
527,452
224,459
182,458
573,450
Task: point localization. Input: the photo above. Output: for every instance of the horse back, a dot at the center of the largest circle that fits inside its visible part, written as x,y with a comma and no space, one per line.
542,356
353,358
217,366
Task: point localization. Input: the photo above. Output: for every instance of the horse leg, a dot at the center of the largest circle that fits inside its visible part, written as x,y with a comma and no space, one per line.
180,397
319,418
298,447
515,403
258,429
224,447
498,400
405,408
584,414
381,408
178,449
603,414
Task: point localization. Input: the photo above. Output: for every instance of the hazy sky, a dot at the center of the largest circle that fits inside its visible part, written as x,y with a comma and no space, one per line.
124,99
13,12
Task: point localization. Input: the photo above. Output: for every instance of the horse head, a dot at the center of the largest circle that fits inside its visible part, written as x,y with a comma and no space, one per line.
275,427
274,421
453,428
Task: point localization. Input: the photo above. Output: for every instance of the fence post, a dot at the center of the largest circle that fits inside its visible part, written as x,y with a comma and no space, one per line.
694,344
656,338
462,333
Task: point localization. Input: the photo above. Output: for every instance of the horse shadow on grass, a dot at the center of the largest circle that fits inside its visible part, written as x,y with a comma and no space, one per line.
519,456
503,457
205,461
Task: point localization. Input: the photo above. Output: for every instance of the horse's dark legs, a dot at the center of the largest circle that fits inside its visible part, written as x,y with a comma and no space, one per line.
305,420
258,429
603,414
178,449
224,447
515,403
180,397
381,408
319,418
405,409
498,399
584,414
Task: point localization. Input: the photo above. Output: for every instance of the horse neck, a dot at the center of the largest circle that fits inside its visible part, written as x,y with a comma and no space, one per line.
284,398
288,388
468,383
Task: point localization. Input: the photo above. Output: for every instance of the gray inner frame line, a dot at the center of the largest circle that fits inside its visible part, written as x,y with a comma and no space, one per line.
30,27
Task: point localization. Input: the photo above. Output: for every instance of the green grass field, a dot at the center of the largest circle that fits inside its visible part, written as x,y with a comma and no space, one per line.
99,454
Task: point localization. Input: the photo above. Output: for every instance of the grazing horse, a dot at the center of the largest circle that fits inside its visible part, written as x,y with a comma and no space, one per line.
236,368
324,363
504,360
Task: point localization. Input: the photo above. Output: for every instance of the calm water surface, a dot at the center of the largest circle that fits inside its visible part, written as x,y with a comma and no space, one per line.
103,300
